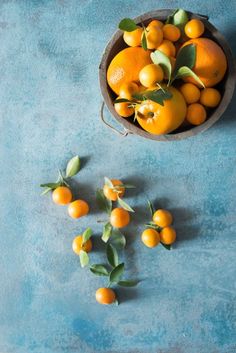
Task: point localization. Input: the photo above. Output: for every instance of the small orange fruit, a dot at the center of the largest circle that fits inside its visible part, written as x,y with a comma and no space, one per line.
124,109
154,36
190,92
210,97
105,296
112,194
119,217
133,39
77,245
194,28
62,195
150,238
167,47
171,32
78,208
196,114
156,23
127,89
150,75
168,235
162,218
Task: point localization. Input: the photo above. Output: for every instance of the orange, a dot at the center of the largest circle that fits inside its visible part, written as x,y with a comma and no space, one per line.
119,217
105,296
127,89
211,63
112,194
150,238
162,218
158,119
196,114
168,235
150,75
124,109
78,208
77,245
210,97
154,36
62,195
171,32
194,28
190,92
133,39
167,47
125,67
156,23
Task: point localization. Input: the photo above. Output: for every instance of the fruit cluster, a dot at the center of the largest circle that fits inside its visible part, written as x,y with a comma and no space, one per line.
148,76
111,200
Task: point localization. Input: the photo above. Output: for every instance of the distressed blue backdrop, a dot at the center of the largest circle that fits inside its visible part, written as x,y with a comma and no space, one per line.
49,101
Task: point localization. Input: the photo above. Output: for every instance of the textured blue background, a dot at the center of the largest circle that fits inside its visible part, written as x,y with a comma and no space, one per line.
49,101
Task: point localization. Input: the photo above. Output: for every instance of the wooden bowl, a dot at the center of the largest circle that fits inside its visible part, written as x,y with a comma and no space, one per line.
226,86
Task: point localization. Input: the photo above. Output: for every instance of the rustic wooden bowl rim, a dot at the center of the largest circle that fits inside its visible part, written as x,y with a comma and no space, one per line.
217,113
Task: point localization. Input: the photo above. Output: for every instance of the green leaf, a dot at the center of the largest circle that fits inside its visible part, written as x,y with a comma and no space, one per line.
116,273
112,255
107,231
103,203
151,208
52,186
124,205
144,41
167,247
122,100
99,270
84,258
162,59
139,96
158,96
118,239
170,17
108,182
180,18
45,191
128,25
73,166
128,283
86,235
185,57
153,226
186,71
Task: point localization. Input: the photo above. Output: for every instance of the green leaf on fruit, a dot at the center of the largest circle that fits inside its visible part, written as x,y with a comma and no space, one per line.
116,273
86,235
108,182
180,18
73,167
144,41
162,59
84,258
112,255
128,283
99,270
46,191
51,186
185,57
103,203
158,96
107,232
128,25
167,247
122,100
124,205
185,71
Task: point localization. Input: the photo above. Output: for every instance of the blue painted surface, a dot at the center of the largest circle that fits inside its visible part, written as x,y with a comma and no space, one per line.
50,51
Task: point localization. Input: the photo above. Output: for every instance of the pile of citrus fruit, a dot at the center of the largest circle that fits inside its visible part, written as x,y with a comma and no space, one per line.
110,198
165,79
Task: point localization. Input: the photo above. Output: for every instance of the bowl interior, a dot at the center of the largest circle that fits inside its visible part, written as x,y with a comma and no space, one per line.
226,86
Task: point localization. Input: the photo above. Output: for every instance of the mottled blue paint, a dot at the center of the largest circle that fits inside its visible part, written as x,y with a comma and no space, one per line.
50,98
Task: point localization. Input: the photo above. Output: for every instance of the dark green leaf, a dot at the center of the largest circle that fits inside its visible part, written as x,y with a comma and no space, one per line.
124,205
158,96
139,96
84,258
170,17
86,235
99,270
116,273
162,59
107,231
128,283
185,71
118,239
103,203
52,186
122,100
185,57
73,167
112,255
152,225
144,41
151,207
167,247
128,25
